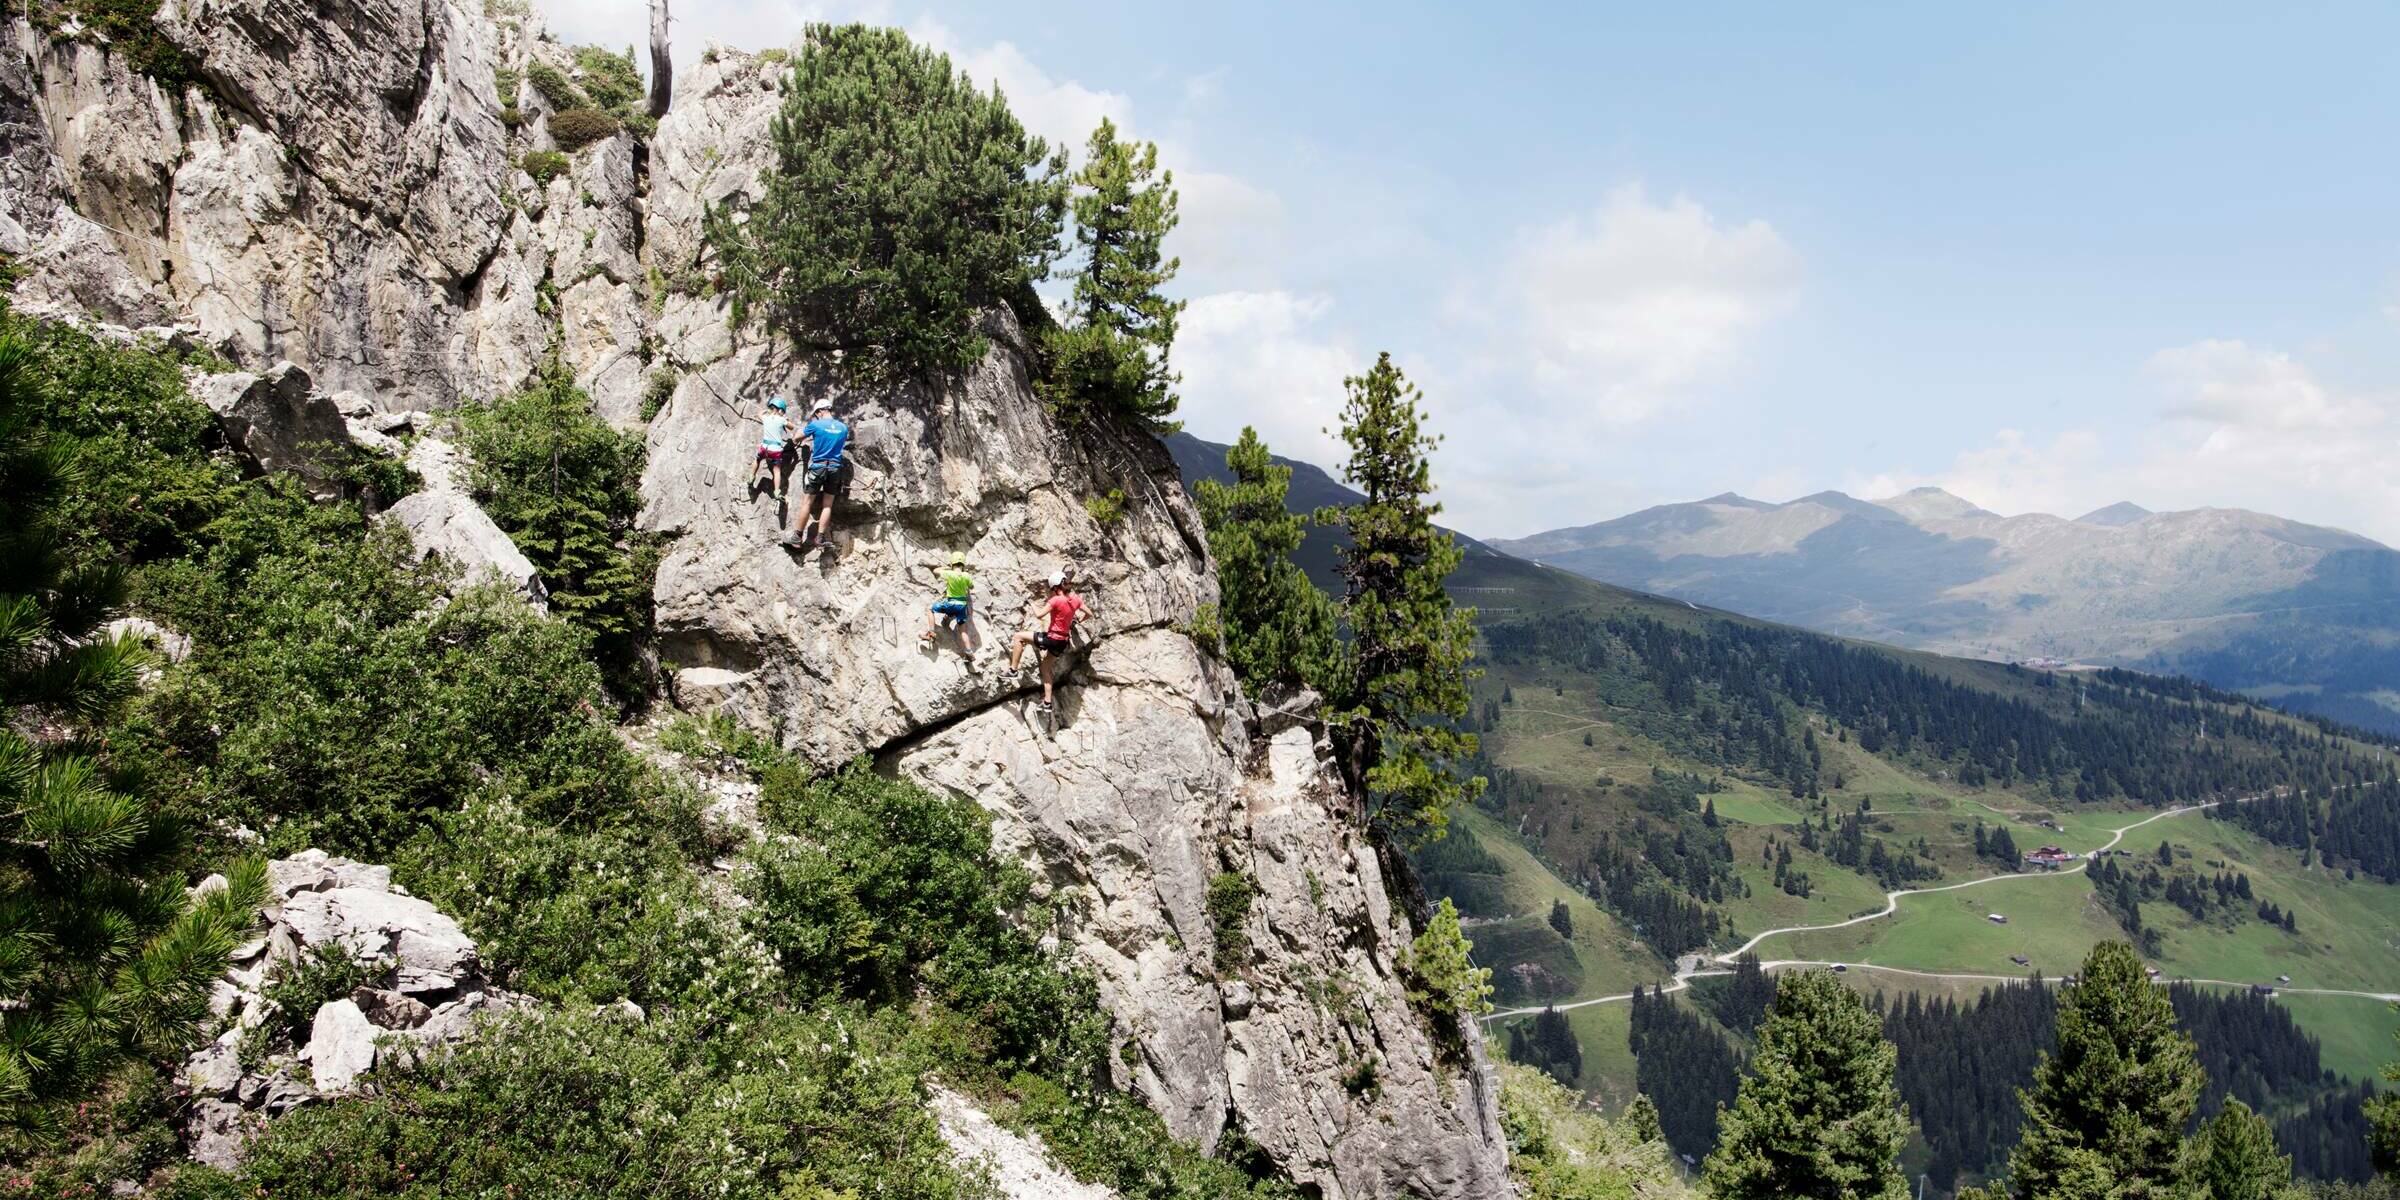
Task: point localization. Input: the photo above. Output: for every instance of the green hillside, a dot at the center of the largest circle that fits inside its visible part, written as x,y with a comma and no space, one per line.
1677,781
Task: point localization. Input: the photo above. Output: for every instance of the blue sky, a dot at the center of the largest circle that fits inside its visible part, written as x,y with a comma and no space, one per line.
2047,256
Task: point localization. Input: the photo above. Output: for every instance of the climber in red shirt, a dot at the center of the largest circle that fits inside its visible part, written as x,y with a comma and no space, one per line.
1055,634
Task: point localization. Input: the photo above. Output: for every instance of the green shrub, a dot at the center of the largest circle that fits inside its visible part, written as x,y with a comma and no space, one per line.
611,80
789,1107
328,702
775,56
1112,1140
575,128
146,468
129,28
543,165
556,89
1558,1150
125,1131
300,987
904,203
1443,982
1229,897
104,961
567,487
594,915
1106,509
657,389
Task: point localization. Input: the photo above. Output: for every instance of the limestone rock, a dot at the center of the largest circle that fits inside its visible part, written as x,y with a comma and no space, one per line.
1020,1167
277,420
450,526
341,1046
391,1010
430,993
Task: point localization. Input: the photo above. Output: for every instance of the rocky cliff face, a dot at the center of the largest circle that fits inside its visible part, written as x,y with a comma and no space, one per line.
340,191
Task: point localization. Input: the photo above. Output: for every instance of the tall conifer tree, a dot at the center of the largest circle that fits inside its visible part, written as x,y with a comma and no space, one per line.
1398,704
1278,627
1818,1115
2104,1118
2234,1158
1112,353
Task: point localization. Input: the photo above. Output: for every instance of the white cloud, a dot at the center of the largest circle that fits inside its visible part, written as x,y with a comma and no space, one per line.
2240,427
1264,359
1061,110
1621,309
2231,382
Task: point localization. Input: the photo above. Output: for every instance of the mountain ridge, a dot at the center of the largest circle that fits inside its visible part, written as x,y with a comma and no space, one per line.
2308,615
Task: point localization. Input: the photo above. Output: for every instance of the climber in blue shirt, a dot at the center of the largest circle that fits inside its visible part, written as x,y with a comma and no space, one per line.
827,476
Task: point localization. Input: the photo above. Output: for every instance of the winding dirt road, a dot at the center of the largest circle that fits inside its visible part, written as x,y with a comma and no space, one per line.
1698,966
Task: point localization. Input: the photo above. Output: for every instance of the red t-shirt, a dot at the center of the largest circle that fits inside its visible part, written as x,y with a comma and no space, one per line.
1064,608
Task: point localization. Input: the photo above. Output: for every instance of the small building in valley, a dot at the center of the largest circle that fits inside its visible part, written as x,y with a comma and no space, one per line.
2048,858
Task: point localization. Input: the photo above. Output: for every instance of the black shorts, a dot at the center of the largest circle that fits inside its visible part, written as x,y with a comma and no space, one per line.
1050,645
826,481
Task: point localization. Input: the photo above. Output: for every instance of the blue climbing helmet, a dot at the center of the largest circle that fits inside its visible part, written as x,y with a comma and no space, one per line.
777,404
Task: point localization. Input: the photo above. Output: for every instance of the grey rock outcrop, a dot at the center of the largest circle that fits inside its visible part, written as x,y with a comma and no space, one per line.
1019,1166
450,526
277,420
426,990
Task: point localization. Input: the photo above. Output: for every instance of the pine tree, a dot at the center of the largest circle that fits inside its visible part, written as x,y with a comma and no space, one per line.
103,959
1818,1115
2106,1112
1641,1120
1279,628
1562,919
1397,702
901,204
565,486
2383,1126
1442,980
1112,353
2234,1158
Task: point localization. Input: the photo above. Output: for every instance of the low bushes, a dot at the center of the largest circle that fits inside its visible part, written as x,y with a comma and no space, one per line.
575,128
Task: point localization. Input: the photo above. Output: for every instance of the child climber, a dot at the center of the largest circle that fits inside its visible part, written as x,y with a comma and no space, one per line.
774,429
956,608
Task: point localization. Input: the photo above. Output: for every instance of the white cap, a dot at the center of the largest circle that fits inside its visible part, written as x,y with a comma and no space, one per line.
1058,579
821,406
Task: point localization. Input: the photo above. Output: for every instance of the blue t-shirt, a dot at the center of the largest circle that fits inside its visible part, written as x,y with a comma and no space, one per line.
827,438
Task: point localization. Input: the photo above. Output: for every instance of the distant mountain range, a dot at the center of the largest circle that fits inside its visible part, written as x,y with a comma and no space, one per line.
2303,615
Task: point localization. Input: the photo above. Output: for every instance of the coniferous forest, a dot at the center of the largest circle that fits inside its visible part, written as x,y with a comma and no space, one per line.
1728,691
1962,1064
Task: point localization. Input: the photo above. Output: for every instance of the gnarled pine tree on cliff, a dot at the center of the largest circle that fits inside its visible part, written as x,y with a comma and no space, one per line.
903,202
1278,627
1396,703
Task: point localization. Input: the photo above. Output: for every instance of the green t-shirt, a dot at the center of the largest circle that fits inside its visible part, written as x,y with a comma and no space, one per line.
956,584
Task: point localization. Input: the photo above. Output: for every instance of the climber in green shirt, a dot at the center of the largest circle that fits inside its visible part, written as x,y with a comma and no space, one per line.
956,608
